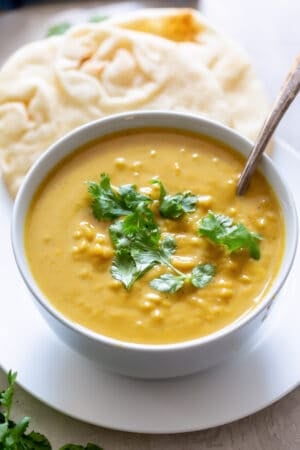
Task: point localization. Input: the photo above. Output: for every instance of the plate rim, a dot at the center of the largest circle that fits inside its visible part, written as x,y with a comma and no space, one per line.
232,418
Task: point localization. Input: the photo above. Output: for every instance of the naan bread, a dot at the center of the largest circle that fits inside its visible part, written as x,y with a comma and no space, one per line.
160,59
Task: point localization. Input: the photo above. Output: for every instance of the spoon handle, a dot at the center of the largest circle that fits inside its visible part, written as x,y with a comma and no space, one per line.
288,92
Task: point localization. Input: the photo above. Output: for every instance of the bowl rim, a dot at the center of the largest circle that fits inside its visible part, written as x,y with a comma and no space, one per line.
41,298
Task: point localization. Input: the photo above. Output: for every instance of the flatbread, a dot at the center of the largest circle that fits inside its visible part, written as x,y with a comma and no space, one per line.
157,59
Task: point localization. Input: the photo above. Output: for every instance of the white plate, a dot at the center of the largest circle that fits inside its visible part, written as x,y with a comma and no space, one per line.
68,382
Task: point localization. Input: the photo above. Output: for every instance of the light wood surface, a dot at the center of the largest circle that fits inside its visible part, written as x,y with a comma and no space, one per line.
269,30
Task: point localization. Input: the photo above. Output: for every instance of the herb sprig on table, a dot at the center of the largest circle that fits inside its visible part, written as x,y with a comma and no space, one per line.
139,244
14,436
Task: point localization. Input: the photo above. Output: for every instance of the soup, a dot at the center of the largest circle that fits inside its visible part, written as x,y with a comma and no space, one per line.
75,261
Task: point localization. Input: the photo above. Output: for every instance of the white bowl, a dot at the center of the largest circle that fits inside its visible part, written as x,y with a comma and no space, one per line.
143,360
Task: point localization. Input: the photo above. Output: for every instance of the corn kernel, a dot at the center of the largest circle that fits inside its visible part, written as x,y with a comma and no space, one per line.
137,164
100,238
156,314
107,252
145,304
115,285
205,200
83,245
85,274
245,279
177,168
226,293
153,297
120,163
77,234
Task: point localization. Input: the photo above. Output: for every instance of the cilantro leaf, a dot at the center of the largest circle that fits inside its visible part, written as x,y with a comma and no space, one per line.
124,268
117,235
106,204
221,230
175,206
142,226
162,189
109,204
168,283
202,275
58,29
6,396
34,441
13,435
138,245
131,197
145,258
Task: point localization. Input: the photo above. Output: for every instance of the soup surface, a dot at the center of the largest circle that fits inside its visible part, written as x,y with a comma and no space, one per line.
70,252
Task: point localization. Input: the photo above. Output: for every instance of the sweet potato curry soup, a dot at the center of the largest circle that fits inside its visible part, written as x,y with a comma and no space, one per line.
140,236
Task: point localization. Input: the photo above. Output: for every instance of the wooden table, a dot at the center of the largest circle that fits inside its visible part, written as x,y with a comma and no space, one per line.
270,32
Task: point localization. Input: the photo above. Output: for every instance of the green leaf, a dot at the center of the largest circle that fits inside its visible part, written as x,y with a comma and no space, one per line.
202,275
13,435
58,29
168,283
175,206
117,235
109,204
3,431
147,257
132,198
162,189
221,230
106,204
124,268
141,226
97,18
6,396
138,248
35,441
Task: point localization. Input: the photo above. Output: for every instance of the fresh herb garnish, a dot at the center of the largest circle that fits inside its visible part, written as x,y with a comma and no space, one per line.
136,235
175,206
58,29
139,247
109,204
200,276
13,435
235,236
168,283
137,239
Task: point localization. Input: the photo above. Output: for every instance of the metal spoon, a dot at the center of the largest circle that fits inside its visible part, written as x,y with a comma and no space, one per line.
287,94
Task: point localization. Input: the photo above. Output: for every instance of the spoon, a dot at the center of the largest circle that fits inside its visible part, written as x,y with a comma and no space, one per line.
287,94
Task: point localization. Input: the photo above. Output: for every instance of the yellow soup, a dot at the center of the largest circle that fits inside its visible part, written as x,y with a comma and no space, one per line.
70,252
